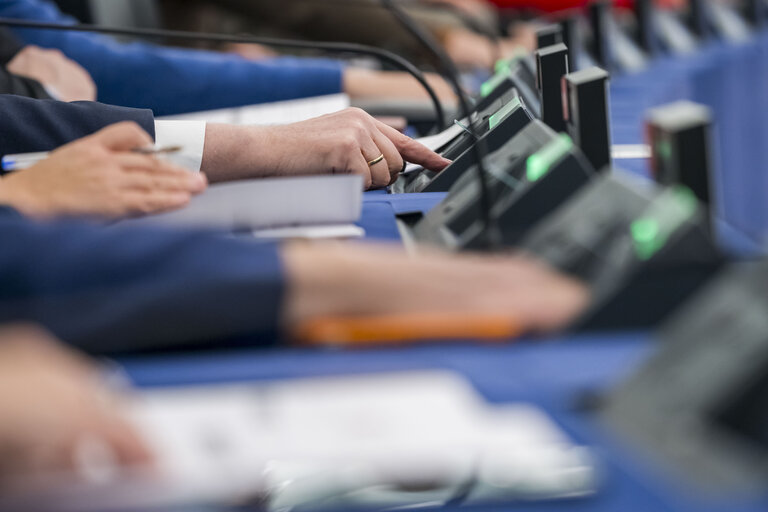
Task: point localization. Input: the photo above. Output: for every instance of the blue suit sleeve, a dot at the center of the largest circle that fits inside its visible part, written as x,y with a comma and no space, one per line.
171,80
123,289
29,125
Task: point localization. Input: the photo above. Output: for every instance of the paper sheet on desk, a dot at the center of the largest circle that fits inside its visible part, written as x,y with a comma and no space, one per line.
280,112
344,442
272,203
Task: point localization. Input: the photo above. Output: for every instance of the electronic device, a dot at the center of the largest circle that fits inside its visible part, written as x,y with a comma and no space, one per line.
681,140
549,35
587,114
709,19
551,67
610,46
529,177
517,73
660,30
497,128
699,407
756,12
641,248
573,37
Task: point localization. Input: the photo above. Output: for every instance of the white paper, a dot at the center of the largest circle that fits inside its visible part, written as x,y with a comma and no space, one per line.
271,203
334,231
435,142
346,441
280,112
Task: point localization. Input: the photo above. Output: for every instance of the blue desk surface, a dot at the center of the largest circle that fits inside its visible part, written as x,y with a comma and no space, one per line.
554,374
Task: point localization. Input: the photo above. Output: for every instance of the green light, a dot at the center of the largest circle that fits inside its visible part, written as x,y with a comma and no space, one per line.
489,86
503,113
503,66
647,237
664,149
538,164
686,198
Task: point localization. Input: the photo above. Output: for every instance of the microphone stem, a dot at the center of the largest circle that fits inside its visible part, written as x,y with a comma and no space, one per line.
490,236
383,55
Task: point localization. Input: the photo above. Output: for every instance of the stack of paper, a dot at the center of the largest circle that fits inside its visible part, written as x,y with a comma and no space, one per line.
279,112
307,207
384,441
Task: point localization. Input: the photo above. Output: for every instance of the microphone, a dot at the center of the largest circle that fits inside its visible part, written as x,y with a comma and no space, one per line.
491,236
382,55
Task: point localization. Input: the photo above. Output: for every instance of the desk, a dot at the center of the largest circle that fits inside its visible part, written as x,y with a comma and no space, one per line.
555,373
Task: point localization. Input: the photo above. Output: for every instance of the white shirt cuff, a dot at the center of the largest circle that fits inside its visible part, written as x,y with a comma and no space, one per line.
190,135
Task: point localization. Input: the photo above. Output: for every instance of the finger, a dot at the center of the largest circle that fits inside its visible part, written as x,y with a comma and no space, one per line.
359,165
146,202
128,446
142,180
413,151
379,172
390,152
123,136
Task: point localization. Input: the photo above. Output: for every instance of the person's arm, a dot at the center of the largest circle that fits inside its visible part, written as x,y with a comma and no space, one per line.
343,142
169,80
21,86
130,288
31,125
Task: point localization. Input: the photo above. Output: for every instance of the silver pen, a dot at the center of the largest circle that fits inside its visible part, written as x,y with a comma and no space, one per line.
25,160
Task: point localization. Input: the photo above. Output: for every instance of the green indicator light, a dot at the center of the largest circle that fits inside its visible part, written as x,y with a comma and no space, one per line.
538,164
492,83
664,149
647,237
503,66
503,113
687,199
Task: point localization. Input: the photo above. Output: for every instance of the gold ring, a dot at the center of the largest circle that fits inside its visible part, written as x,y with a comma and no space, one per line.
376,160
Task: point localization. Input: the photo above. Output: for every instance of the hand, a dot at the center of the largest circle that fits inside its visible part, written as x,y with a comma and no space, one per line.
364,83
51,400
65,78
339,143
346,280
99,176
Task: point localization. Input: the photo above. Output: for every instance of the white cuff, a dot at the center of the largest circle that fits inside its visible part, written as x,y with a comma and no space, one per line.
190,135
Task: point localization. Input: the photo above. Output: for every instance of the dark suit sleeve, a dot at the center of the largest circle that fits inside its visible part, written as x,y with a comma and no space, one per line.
28,125
21,86
118,289
9,46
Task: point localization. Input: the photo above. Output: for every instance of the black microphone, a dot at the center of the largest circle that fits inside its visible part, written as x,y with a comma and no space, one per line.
491,236
383,55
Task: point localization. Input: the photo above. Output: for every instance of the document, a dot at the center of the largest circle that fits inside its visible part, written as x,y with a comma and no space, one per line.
391,440
279,112
271,203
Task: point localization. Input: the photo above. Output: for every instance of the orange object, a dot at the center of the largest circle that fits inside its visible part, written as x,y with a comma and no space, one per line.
406,329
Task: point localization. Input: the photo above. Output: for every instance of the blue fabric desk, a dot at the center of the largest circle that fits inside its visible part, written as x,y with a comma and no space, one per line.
555,373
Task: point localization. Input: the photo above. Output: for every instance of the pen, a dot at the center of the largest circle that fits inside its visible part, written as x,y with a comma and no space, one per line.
25,160
406,328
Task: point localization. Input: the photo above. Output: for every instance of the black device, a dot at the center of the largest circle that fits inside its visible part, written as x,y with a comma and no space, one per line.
517,73
587,114
681,144
641,248
529,177
573,38
661,30
497,129
339,48
699,407
756,12
610,46
551,67
549,35
709,19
